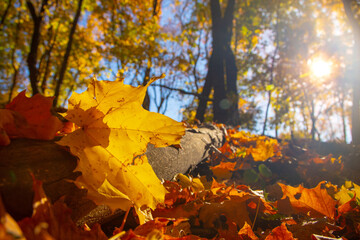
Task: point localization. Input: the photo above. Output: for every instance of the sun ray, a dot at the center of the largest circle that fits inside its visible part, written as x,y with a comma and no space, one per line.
320,68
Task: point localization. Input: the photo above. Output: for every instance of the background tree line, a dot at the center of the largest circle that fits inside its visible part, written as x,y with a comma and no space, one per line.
244,63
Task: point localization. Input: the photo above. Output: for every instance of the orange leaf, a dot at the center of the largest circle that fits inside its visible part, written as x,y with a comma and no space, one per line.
223,170
9,120
9,229
36,110
54,221
234,210
348,206
280,233
246,233
316,200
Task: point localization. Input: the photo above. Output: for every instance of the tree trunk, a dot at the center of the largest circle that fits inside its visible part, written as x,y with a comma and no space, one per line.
146,102
52,40
13,62
67,53
343,117
35,41
3,16
222,71
230,67
203,99
355,117
355,113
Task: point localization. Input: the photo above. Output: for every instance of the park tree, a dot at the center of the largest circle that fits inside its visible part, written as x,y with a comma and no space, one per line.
228,61
352,9
222,71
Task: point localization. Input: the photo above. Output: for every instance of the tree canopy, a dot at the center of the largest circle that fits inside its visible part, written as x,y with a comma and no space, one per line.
257,64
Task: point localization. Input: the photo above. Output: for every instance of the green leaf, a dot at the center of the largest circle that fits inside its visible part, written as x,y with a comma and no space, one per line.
264,171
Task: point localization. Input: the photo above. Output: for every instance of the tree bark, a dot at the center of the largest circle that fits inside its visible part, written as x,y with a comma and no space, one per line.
355,113
35,41
67,53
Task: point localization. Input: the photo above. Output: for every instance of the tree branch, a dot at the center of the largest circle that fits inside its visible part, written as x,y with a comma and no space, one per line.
182,91
67,53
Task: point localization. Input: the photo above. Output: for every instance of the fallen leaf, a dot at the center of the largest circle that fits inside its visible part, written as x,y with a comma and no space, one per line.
9,229
7,122
223,170
319,237
53,221
264,149
193,183
234,211
36,110
348,191
280,233
246,233
316,200
111,142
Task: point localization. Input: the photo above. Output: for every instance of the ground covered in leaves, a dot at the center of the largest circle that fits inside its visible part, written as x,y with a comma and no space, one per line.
253,187
248,189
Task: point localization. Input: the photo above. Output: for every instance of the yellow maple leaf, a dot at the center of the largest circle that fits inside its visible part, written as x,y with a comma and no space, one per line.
111,142
264,149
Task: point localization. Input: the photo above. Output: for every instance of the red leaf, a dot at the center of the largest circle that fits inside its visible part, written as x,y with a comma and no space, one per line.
36,110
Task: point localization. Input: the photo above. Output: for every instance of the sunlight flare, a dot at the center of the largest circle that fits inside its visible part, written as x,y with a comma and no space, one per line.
320,68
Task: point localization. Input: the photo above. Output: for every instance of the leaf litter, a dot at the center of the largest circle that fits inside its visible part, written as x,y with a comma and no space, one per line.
251,189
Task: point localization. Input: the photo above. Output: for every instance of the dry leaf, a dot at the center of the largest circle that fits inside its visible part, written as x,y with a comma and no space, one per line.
280,233
111,141
36,110
316,201
53,221
246,233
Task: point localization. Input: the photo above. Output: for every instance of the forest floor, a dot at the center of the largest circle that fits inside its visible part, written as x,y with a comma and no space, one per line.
253,187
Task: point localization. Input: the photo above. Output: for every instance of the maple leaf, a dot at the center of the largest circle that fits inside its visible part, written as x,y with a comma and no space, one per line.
28,118
316,200
259,147
235,210
53,221
280,233
111,142
9,120
264,149
348,191
36,110
223,170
